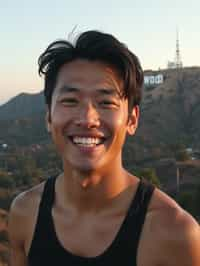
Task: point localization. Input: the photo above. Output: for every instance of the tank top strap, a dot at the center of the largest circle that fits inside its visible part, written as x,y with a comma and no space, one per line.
141,200
46,202
48,194
134,221
43,222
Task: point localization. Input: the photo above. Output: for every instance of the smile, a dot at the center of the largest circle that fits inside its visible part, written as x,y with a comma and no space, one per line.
87,141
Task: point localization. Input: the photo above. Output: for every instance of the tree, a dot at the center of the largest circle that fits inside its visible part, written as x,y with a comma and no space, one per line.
187,201
6,180
182,155
150,175
197,200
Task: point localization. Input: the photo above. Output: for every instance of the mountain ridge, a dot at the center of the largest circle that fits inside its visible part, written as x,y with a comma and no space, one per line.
23,105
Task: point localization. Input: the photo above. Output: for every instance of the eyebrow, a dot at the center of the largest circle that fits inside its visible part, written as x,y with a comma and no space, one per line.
108,91
102,91
68,89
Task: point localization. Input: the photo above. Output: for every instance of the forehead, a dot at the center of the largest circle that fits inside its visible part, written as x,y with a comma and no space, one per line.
84,74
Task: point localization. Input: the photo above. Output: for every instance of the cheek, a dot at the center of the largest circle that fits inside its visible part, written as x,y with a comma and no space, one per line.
56,121
58,117
120,119
121,124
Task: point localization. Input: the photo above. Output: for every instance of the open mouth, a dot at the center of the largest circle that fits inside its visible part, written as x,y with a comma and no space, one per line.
87,141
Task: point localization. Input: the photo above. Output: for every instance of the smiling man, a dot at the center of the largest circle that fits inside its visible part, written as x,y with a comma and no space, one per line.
95,212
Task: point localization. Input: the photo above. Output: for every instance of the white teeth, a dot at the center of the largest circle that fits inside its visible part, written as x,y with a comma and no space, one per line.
86,141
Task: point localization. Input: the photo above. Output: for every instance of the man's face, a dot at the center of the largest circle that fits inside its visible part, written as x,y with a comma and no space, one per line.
89,118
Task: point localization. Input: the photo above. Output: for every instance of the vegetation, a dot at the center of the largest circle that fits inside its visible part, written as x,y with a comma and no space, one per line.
150,175
189,200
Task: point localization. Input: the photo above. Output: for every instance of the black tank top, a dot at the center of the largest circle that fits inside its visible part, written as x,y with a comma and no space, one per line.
46,250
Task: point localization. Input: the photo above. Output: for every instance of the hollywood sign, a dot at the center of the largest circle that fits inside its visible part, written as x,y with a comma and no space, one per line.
153,80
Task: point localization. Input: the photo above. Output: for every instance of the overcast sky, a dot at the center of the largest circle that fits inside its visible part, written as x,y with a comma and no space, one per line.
147,27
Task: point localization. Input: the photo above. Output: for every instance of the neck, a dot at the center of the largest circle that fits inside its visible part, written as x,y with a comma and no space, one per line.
92,191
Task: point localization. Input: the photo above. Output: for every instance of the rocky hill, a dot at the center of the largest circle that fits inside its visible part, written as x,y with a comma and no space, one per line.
22,106
171,111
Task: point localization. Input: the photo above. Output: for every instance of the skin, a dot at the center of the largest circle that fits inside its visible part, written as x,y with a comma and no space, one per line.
94,186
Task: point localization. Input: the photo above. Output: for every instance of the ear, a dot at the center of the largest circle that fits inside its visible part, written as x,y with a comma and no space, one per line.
133,120
48,121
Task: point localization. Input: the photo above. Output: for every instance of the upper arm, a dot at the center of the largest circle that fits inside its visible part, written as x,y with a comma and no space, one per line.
182,246
17,254
17,234
22,218
171,236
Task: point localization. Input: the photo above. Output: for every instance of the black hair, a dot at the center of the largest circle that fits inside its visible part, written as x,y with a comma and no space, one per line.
93,46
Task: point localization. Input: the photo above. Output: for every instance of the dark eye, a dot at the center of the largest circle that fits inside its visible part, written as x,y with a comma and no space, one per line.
69,101
108,103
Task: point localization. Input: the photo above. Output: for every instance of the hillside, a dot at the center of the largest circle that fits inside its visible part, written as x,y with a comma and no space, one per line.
171,111
22,106
169,115
4,243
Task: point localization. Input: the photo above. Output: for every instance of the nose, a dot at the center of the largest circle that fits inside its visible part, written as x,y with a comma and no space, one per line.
88,116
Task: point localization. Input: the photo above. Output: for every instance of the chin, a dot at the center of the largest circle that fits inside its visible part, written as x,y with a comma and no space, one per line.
86,167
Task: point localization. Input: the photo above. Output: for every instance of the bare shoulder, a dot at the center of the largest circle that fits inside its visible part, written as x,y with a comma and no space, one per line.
175,232
25,198
23,212
167,210
25,202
